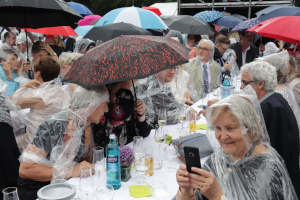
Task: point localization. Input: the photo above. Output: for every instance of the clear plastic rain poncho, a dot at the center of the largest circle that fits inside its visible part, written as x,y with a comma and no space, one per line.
250,168
47,99
294,76
159,100
228,55
64,139
21,39
4,108
183,87
82,45
281,62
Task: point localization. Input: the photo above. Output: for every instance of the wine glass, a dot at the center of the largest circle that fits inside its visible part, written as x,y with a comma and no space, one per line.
162,118
160,136
98,161
10,193
86,181
192,122
142,165
106,192
182,115
171,153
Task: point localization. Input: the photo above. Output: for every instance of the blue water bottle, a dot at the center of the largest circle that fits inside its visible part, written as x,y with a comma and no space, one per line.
113,167
226,91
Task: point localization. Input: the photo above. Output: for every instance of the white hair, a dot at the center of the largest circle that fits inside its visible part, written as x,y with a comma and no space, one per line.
209,43
261,71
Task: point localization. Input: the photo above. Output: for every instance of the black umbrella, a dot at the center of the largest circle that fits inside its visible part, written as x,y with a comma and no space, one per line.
188,24
111,31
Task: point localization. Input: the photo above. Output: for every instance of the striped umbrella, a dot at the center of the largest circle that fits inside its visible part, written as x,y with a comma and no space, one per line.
136,16
82,30
208,15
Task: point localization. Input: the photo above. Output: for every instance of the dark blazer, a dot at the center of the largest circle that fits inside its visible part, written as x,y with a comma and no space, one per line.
252,53
70,44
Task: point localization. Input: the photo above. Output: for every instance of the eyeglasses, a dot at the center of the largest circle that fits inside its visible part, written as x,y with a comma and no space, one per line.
203,49
245,83
223,49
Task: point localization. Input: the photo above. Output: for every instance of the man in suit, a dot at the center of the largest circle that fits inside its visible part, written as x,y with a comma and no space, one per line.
245,51
205,72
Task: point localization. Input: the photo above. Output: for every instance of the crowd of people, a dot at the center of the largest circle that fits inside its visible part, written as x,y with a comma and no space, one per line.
50,127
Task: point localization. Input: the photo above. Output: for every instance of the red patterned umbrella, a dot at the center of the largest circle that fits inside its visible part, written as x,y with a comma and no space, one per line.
126,58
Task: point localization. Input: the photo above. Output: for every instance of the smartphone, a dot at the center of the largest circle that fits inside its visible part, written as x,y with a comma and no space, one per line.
192,158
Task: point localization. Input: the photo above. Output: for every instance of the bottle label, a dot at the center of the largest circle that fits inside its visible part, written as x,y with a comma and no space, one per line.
112,159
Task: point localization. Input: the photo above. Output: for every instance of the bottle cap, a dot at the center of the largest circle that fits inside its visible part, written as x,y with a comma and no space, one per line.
112,136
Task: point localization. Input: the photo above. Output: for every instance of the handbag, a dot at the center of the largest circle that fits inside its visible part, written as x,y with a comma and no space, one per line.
197,140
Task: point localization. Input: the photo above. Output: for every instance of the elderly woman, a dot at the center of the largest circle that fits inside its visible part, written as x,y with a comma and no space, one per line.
84,45
62,143
246,166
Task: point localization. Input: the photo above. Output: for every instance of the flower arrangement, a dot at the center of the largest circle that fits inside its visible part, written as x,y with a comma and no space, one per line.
126,156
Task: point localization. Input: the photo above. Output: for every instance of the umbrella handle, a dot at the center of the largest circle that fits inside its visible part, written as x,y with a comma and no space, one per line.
134,89
296,46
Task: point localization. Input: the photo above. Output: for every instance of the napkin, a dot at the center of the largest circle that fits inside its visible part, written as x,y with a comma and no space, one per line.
169,139
202,126
139,191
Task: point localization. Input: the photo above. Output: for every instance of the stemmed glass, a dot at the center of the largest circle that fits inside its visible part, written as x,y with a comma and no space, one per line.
106,192
182,115
160,136
98,161
142,165
10,193
171,152
162,118
86,181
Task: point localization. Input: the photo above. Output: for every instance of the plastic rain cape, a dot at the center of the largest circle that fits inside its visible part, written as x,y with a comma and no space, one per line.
47,99
258,174
228,55
64,139
159,100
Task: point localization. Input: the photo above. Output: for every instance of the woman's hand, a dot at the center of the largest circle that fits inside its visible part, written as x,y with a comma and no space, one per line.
76,169
20,68
46,47
183,180
140,107
27,67
6,68
192,111
32,84
206,183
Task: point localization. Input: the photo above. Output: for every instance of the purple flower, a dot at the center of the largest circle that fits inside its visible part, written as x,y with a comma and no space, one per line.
126,155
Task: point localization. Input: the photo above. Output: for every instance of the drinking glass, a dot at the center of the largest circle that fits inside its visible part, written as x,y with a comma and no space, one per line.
183,132
105,192
86,182
171,153
142,165
203,97
182,116
10,193
137,148
98,161
192,122
162,118
149,151
216,93
58,181
160,136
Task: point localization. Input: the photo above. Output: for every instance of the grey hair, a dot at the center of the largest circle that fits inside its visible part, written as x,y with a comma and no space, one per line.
209,43
261,71
81,97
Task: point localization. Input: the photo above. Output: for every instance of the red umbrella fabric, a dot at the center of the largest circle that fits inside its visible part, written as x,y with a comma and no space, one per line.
58,30
87,19
153,9
126,58
281,28
94,22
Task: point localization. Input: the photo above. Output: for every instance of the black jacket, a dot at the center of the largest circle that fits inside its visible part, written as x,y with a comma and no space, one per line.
252,53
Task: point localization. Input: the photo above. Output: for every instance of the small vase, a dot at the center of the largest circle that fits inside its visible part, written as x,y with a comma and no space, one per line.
125,173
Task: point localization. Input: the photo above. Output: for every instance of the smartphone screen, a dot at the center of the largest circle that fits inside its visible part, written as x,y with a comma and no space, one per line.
192,158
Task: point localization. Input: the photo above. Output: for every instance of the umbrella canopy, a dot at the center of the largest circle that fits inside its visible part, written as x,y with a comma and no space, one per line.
111,31
87,19
270,9
208,15
244,25
281,28
80,8
292,11
188,24
94,22
82,30
153,9
227,21
136,16
58,30
241,17
37,13
126,58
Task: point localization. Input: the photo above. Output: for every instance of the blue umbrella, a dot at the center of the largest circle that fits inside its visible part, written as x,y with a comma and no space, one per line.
244,25
82,30
292,11
227,21
208,15
80,8
270,9
136,16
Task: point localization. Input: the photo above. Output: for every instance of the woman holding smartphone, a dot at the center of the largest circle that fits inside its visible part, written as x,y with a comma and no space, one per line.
246,166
